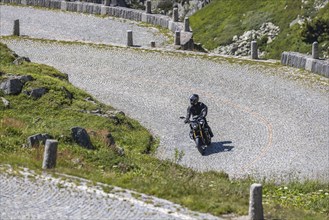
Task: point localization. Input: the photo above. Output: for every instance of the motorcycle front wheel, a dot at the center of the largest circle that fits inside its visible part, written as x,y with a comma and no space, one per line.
208,139
199,144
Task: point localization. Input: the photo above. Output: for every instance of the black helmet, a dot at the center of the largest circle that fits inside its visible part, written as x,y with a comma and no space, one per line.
194,99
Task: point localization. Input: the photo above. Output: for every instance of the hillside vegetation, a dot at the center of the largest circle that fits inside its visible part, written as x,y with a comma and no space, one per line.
218,22
55,114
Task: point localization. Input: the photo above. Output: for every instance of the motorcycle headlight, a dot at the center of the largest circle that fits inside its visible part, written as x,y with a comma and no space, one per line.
194,126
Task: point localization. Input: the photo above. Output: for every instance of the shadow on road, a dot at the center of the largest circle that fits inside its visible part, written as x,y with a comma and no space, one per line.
218,147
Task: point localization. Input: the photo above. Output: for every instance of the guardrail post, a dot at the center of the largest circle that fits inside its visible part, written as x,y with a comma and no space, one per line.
148,7
130,38
315,50
186,24
255,202
152,43
16,31
175,14
50,154
177,37
254,52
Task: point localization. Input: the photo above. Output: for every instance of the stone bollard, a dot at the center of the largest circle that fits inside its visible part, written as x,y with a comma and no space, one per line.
254,52
177,37
130,38
175,15
315,50
50,154
148,7
107,2
186,24
114,3
152,43
255,202
16,28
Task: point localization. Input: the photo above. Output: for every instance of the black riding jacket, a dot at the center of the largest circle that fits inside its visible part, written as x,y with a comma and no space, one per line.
199,110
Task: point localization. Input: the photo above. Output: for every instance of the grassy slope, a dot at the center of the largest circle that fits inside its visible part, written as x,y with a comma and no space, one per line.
219,21
55,114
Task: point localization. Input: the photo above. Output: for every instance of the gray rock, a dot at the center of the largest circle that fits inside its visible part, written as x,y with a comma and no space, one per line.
81,137
25,79
96,111
109,140
11,86
35,140
6,103
21,60
120,151
38,93
68,94
89,99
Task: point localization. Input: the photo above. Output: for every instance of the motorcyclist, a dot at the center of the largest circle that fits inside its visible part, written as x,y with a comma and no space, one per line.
197,110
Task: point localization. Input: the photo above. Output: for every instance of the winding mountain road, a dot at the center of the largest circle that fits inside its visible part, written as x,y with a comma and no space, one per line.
269,121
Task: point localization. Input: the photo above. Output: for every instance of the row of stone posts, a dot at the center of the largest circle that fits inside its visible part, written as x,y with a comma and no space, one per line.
177,41
254,50
175,18
177,37
255,200
130,43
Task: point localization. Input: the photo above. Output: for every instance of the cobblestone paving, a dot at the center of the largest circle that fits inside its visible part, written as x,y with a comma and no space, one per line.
67,197
60,25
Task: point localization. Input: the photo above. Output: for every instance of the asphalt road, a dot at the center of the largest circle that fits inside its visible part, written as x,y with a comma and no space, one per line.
269,121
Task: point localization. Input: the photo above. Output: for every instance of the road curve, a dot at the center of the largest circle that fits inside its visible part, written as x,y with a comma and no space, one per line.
269,121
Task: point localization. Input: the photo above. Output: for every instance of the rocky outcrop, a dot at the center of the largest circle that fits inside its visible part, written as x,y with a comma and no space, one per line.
240,45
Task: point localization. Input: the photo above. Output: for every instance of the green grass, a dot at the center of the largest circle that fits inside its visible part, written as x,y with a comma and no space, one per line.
138,169
219,21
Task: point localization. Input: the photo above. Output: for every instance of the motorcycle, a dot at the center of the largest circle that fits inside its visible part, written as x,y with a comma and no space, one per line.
201,135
